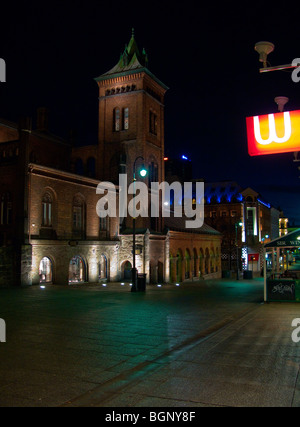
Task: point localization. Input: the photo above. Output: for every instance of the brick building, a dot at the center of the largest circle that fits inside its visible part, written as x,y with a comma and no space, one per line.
244,219
49,229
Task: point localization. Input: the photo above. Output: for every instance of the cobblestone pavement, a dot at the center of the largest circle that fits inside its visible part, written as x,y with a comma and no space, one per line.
212,343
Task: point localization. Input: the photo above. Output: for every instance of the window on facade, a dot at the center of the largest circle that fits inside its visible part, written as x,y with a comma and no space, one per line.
223,213
213,214
153,172
126,118
103,224
78,215
6,209
152,123
251,222
116,119
233,213
47,210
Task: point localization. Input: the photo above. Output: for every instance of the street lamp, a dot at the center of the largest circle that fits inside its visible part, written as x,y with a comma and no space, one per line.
143,173
237,224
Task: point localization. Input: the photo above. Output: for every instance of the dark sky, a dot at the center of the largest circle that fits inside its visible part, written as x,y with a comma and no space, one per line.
204,52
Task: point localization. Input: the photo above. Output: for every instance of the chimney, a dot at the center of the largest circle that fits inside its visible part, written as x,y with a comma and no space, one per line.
42,119
25,124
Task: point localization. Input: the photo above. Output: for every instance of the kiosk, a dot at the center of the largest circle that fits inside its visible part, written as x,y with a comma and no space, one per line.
281,270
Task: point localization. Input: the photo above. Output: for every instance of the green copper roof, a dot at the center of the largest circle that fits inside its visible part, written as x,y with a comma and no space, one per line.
131,61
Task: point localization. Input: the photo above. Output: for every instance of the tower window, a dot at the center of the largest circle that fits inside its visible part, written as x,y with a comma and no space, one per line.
152,123
47,210
153,172
116,119
126,118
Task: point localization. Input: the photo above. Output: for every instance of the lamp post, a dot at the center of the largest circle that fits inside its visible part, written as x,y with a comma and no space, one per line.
237,224
143,173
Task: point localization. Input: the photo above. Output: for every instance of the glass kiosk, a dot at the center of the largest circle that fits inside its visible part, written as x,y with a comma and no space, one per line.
282,268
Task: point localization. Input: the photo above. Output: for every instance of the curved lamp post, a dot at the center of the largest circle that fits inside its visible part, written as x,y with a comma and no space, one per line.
143,173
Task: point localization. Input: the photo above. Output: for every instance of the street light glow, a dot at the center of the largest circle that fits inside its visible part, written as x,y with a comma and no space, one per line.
143,172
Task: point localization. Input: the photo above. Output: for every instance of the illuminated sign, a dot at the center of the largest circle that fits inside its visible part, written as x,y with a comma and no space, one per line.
253,257
273,133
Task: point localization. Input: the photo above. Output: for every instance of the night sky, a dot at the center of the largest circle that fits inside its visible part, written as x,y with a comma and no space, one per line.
204,52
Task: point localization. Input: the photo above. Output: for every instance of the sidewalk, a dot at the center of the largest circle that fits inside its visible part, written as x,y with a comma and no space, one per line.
208,344
250,362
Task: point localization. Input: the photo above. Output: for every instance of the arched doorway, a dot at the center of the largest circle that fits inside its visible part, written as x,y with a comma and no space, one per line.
126,270
179,266
187,264
201,263
195,265
212,261
160,272
45,270
207,261
77,270
103,267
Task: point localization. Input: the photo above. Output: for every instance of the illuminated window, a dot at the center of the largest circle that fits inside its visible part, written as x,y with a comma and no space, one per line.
103,267
116,119
126,118
77,270
45,270
47,210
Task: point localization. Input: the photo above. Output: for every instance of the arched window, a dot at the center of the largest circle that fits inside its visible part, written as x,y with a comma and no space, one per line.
152,122
47,210
126,118
153,172
78,214
116,119
45,270
77,270
103,267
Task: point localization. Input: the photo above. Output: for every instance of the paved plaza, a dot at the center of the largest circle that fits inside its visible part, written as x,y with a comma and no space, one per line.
210,343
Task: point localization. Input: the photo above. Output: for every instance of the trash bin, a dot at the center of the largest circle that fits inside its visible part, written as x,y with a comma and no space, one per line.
141,282
248,274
